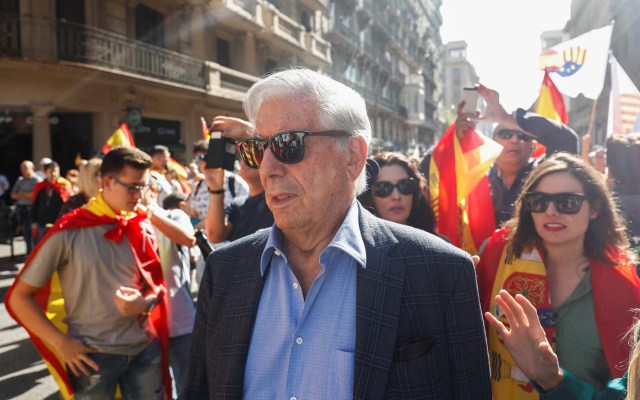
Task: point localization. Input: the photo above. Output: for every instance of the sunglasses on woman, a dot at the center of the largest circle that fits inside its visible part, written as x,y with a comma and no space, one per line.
405,186
507,134
287,147
565,203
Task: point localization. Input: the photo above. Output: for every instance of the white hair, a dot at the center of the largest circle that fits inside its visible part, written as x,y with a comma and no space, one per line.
339,106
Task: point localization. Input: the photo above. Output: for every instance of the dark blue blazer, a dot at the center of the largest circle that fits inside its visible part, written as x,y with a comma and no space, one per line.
419,328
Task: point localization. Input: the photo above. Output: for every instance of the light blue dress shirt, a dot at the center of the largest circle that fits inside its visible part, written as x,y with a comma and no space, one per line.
305,349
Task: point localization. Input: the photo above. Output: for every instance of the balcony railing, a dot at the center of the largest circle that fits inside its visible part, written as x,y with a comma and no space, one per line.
283,27
85,44
9,36
319,47
227,82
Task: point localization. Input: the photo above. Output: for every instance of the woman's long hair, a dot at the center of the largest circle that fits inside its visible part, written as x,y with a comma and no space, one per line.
605,238
88,182
633,391
421,215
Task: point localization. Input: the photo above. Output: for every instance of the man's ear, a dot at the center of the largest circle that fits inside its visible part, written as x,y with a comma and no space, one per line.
357,150
105,182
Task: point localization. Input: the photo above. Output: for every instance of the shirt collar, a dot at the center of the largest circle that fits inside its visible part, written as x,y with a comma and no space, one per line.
348,239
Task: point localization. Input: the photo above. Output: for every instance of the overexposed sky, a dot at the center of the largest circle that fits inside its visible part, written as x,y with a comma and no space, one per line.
503,38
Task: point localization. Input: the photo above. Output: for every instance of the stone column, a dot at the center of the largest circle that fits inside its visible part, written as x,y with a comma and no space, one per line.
41,131
250,54
198,26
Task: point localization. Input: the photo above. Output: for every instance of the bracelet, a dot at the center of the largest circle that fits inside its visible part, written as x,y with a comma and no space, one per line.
153,304
217,191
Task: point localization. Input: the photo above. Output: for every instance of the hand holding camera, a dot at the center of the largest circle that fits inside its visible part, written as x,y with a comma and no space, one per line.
225,131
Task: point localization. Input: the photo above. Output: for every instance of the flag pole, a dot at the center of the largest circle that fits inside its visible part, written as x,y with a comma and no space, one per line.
593,116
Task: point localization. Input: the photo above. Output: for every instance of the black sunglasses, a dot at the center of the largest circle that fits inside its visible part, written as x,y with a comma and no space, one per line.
507,134
565,203
132,189
405,186
287,147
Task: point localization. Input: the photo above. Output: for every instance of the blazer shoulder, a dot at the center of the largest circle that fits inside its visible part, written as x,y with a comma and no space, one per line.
412,239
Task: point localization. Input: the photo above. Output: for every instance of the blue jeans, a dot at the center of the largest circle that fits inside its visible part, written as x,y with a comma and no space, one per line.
23,215
179,347
139,376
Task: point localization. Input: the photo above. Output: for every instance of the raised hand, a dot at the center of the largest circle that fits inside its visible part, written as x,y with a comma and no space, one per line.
233,128
526,340
465,121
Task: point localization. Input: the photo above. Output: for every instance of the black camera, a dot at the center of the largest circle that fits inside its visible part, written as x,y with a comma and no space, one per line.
221,152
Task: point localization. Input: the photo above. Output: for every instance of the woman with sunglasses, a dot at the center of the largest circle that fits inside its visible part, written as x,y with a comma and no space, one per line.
557,284
397,193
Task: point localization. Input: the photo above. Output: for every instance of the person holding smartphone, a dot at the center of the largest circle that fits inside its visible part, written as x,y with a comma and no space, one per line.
234,186
515,132
244,215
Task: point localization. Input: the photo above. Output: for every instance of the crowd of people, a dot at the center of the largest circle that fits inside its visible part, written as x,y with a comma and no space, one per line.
329,277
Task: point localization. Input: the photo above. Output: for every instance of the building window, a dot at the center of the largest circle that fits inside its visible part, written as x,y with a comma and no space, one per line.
457,53
223,56
270,65
149,25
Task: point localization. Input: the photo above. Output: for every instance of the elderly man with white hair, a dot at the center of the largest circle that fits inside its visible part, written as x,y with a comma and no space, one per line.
331,302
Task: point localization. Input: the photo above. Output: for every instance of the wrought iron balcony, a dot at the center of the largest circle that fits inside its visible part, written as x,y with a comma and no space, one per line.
86,44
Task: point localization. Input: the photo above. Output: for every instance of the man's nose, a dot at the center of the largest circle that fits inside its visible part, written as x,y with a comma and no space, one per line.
269,165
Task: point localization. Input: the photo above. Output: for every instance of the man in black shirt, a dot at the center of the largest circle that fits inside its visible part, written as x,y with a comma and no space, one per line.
244,215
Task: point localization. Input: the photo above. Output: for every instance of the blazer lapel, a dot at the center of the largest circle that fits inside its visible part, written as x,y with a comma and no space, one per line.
239,314
378,299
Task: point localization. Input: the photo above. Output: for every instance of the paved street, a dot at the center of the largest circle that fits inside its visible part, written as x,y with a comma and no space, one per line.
23,374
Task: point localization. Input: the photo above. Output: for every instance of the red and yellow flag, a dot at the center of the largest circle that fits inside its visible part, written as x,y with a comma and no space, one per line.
551,105
459,188
206,135
550,102
179,168
121,137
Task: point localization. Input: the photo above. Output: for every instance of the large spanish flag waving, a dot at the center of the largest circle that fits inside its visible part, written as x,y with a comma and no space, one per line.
121,137
459,188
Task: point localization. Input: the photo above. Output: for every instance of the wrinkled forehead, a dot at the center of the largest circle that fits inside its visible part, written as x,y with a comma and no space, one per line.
282,114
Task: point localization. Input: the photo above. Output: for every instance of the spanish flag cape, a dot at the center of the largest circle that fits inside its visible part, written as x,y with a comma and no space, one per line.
615,289
459,188
50,297
60,185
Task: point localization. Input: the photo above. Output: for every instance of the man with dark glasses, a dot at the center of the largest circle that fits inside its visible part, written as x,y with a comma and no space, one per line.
331,302
113,326
516,133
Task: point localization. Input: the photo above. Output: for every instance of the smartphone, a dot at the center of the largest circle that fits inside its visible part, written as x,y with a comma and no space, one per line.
470,97
221,152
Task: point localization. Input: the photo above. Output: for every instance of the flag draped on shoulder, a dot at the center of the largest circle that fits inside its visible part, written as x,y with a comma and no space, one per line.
624,102
50,297
459,188
121,137
579,65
